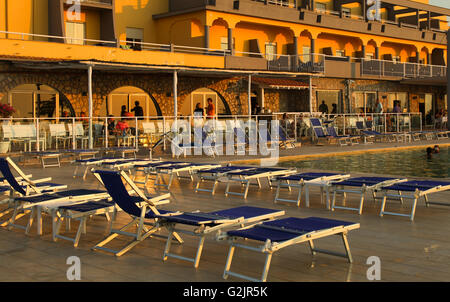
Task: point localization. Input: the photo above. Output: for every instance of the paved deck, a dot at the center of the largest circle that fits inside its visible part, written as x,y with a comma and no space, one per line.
409,251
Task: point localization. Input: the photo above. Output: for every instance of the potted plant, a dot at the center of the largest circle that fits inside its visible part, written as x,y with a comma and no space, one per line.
6,111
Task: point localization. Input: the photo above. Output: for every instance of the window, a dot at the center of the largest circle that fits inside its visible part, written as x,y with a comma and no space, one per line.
271,51
340,53
306,57
321,6
224,43
75,32
134,37
369,56
346,12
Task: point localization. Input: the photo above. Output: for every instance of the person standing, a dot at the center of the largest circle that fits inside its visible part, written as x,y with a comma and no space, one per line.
138,111
210,110
323,108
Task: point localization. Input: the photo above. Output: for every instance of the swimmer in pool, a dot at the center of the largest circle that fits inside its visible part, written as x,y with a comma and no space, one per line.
436,149
430,152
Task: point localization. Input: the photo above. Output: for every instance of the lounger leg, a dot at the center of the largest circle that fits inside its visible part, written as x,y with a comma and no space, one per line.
228,263
307,196
425,197
401,198
361,203
214,187
81,229
347,247
311,247
333,202
168,244
266,267
383,205
30,220
39,220
246,189
199,251
413,210
277,193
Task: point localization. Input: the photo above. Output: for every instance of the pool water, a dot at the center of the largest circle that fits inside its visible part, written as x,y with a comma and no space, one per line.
409,163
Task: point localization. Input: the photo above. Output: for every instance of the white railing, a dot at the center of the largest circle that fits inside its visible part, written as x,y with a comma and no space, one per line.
40,134
313,62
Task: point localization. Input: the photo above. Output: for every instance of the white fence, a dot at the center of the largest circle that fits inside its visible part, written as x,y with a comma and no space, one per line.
39,134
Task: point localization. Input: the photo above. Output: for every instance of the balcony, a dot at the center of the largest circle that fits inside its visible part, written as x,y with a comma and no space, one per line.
289,11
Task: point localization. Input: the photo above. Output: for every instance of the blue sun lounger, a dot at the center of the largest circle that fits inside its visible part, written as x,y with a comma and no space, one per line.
302,180
245,177
175,169
216,175
360,185
149,169
271,236
202,223
413,189
342,140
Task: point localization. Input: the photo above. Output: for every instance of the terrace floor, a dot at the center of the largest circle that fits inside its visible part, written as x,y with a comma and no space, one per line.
409,251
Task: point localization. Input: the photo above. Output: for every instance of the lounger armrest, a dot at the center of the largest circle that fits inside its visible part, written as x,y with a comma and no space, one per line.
36,181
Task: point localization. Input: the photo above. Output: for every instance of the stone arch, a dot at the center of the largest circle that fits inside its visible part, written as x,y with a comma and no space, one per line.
200,95
137,85
55,83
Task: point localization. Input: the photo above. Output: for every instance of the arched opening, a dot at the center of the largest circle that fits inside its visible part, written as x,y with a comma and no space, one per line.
371,50
128,96
201,96
219,34
423,56
304,46
38,100
437,56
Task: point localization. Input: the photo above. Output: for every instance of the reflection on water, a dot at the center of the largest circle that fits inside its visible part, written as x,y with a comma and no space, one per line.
404,163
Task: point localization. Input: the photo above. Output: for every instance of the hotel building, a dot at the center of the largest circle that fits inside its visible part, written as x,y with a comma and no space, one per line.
67,57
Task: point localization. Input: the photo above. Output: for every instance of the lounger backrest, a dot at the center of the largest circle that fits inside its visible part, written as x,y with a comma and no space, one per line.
360,125
7,174
116,189
331,131
282,134
315,122
369,124
319,132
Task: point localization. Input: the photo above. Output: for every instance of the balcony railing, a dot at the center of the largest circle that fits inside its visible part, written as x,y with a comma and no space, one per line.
401,69
307,63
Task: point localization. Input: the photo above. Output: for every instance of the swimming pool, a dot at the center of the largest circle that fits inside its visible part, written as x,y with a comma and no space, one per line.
409,163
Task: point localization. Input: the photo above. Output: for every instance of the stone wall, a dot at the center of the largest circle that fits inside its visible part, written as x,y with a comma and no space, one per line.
74,86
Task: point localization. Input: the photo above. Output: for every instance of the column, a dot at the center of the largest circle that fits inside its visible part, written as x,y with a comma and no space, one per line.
377,53
91,138
175,94
313,49
230,41
206,37
448,73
